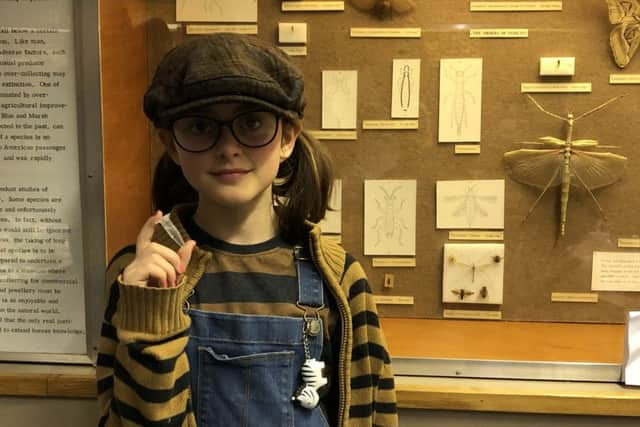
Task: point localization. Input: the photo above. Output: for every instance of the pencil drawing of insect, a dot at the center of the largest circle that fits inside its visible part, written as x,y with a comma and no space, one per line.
405,88
405,97
206,6
461,97
470,204
565,163
624,38
390,225
339,89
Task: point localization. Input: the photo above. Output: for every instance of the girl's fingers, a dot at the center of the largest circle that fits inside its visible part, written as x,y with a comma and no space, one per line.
167,253
169,269
156,264
185,253
157,276
146,233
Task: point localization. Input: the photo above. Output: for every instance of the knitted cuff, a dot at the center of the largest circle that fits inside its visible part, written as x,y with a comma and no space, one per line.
149,310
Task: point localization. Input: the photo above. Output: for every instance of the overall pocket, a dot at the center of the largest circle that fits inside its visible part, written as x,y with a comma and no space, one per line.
244,390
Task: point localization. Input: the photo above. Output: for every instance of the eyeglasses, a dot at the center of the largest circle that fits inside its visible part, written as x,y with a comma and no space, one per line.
253,129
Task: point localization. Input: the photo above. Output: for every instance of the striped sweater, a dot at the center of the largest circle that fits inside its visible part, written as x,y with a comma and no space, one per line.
143,372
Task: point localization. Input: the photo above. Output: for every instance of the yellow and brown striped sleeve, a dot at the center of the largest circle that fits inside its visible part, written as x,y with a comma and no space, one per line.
142,370
373,397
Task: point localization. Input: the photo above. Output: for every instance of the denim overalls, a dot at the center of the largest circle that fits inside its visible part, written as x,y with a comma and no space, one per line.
245,369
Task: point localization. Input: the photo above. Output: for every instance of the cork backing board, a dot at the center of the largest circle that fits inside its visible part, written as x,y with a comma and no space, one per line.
535,263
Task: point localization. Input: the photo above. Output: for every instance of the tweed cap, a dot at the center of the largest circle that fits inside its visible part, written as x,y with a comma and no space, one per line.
224,67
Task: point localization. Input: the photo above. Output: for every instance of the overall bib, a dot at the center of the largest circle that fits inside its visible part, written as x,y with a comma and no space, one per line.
245,369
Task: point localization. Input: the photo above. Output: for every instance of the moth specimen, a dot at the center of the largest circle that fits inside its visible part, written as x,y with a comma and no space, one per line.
473,273
385,8
565,162
624,38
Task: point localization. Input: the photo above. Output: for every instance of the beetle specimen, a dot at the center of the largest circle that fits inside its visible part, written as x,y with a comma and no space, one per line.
565,161
624,38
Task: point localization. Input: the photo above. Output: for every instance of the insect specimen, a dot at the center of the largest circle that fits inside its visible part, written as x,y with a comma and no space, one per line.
389,224
562,162
385,8
462,293
473,269
475,266
624,38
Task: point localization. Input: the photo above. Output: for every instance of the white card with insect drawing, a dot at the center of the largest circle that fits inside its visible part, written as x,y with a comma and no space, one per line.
217,10
390,217
339,99
470,204
405,93
472,273
332,222
460,100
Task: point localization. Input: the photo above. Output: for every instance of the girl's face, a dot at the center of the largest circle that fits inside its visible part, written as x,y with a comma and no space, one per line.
229,174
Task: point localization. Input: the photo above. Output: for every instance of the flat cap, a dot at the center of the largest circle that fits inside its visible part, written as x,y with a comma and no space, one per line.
224,67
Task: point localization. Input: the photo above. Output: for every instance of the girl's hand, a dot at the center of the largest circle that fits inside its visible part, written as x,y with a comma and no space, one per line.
155,264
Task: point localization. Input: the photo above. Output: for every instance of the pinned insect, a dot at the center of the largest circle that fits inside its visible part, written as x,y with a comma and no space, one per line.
624,38
385,8
565,161
495,259
462,293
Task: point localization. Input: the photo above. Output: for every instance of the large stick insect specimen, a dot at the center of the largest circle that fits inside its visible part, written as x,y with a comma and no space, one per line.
625,36
565,162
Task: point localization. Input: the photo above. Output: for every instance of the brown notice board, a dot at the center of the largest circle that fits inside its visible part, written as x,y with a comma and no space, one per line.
535,264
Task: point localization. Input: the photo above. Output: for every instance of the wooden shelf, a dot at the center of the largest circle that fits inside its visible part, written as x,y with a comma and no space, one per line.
22,379
537,397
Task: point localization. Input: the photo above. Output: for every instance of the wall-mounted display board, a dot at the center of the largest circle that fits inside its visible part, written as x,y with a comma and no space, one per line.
50,182
574,181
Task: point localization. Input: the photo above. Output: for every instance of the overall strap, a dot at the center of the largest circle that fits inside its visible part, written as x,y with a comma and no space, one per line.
310,292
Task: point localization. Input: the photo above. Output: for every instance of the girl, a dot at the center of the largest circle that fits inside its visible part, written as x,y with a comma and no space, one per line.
263,322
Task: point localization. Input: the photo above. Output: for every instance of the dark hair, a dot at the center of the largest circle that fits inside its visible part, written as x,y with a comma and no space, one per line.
169,186
303,187
301,190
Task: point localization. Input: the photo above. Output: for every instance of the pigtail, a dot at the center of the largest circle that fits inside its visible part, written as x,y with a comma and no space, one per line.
303,187
170,187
